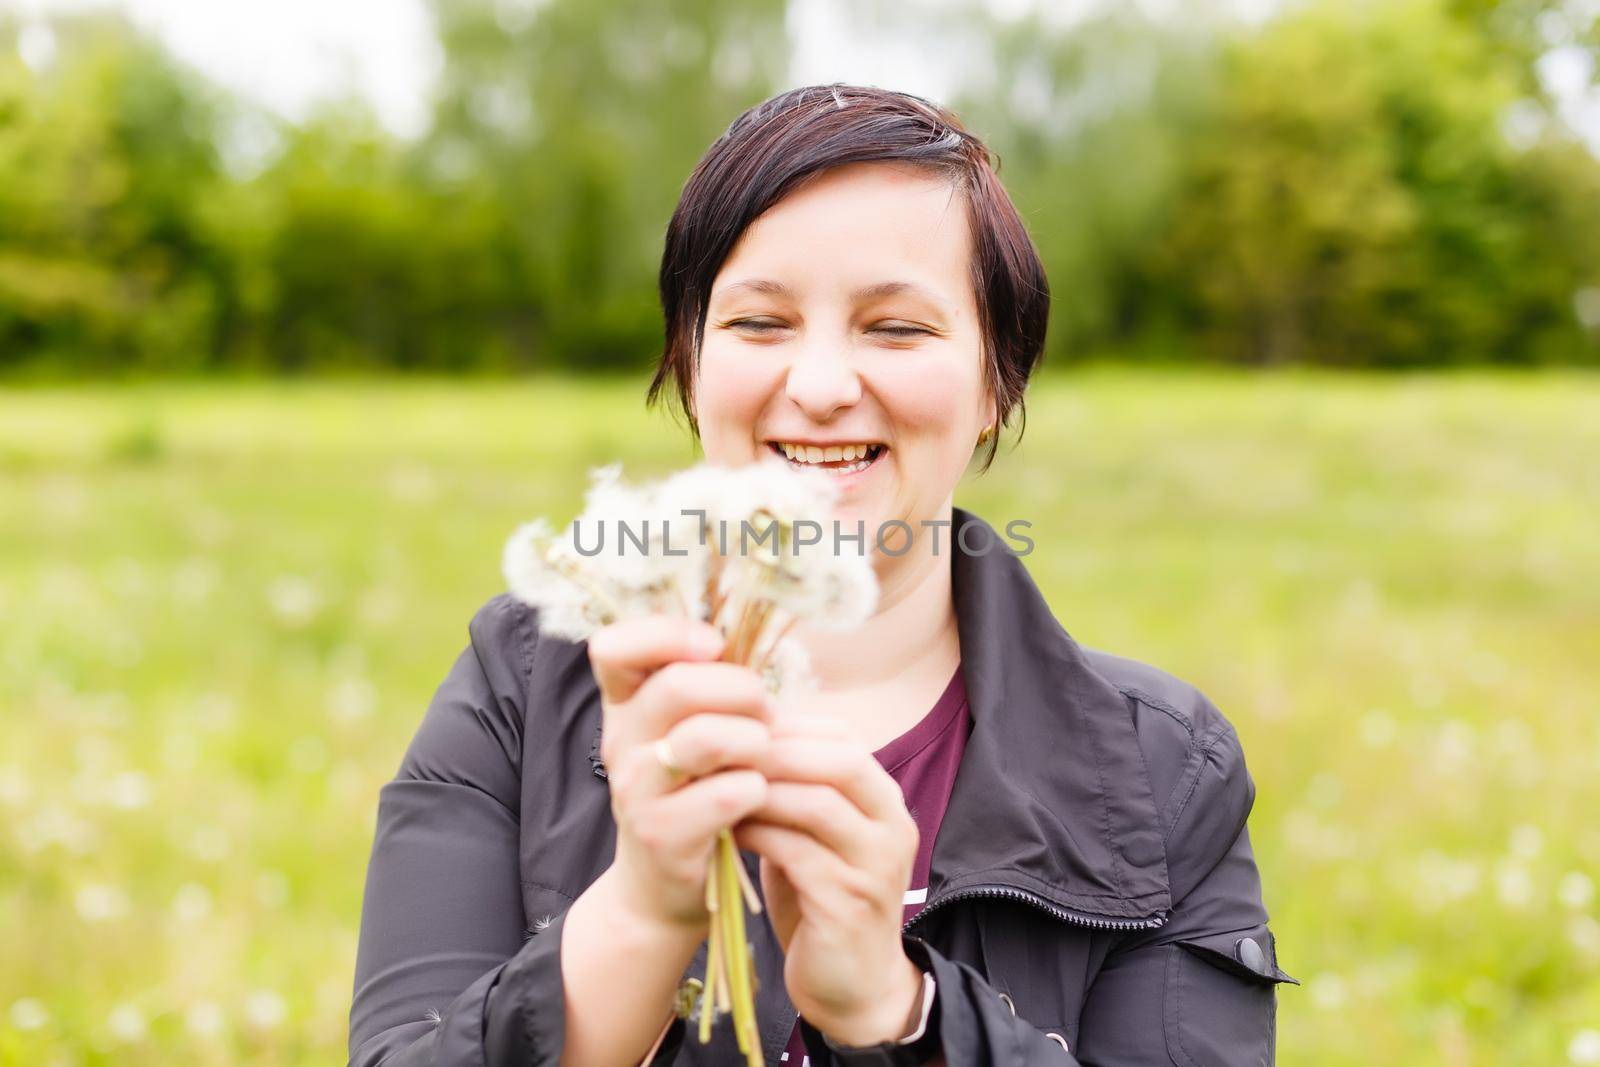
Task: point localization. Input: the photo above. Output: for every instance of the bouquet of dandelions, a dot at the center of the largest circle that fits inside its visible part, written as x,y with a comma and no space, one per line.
741,547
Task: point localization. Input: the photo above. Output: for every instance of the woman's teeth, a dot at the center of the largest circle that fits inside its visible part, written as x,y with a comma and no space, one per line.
838,459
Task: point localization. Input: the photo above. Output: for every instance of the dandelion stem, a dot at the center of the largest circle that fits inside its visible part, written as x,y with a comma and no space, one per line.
751,900
708,995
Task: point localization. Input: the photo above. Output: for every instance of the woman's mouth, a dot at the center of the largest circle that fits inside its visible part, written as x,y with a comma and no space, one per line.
837,459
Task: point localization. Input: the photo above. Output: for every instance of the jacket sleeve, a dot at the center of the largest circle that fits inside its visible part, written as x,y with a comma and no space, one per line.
444,974
1200,990
976,1028
1189,993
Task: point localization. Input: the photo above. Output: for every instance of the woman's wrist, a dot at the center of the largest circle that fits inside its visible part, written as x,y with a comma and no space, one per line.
634,925
894,1017
620,970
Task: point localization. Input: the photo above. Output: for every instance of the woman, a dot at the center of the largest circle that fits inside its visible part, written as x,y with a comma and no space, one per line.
1050,866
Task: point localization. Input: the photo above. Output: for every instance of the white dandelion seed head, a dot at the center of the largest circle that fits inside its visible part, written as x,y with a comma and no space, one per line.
787,667
126,1023
29,1014
1583,931
618,559
191,903
272,888
532,563
210,844
308,754
204,1018
195,579
100,902
15,789
653,564
1377,728
1526,841
841,593
653,549
352,699
1576,890
767,486
265,1009
1441,879
1327,991
1515,885
129,790
56,825
809,575
522,562
294,599
609,506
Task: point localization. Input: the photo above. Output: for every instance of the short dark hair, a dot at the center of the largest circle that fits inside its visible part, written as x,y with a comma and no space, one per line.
769,149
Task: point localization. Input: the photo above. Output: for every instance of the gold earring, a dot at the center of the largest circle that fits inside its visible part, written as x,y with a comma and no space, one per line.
986,433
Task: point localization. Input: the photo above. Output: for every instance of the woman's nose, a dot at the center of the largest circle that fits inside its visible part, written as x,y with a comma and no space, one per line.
821,381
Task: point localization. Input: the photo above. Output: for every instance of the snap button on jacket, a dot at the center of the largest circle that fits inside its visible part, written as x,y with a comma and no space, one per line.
1093,897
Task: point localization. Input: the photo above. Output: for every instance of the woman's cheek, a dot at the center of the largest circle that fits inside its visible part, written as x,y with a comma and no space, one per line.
730,394
921,399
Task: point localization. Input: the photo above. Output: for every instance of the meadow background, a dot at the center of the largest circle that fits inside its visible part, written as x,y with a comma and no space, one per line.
1318,431
227,606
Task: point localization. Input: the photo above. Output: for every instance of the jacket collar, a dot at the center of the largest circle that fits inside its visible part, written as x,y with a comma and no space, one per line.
1051,796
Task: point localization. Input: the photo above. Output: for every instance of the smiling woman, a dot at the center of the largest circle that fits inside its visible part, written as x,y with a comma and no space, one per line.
841,359
761,217
980,843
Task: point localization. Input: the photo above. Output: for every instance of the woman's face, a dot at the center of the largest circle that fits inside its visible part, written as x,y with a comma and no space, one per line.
844,319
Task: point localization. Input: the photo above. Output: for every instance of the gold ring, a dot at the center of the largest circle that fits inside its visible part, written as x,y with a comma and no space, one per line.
663,752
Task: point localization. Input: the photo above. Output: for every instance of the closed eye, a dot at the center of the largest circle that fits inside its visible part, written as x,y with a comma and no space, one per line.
761,326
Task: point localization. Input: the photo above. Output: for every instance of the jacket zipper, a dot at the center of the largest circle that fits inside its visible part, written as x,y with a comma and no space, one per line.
688,997
1038,902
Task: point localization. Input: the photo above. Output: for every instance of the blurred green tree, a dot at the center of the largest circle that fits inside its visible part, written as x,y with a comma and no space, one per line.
105,156
1087,119
1353,200
1348,183
1525,30
579,120
1341,184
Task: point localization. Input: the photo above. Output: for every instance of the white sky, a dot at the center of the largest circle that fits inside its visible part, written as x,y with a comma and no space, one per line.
289,53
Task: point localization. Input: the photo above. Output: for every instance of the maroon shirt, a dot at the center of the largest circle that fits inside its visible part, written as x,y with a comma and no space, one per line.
924,761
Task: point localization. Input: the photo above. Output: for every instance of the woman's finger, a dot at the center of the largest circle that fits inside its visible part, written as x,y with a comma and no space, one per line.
625,653
696,746
820,878
823,813
686,818
709,742
841,764
679,690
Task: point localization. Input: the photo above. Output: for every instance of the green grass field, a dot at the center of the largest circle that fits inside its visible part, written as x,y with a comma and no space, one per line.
224,607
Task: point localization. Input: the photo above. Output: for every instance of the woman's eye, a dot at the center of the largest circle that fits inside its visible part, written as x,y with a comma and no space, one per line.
764,326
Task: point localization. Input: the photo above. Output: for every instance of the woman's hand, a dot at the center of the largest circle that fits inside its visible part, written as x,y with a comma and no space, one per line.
837,846
656,680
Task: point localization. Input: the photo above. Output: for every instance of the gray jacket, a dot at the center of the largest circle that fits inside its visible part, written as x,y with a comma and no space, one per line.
1093,897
